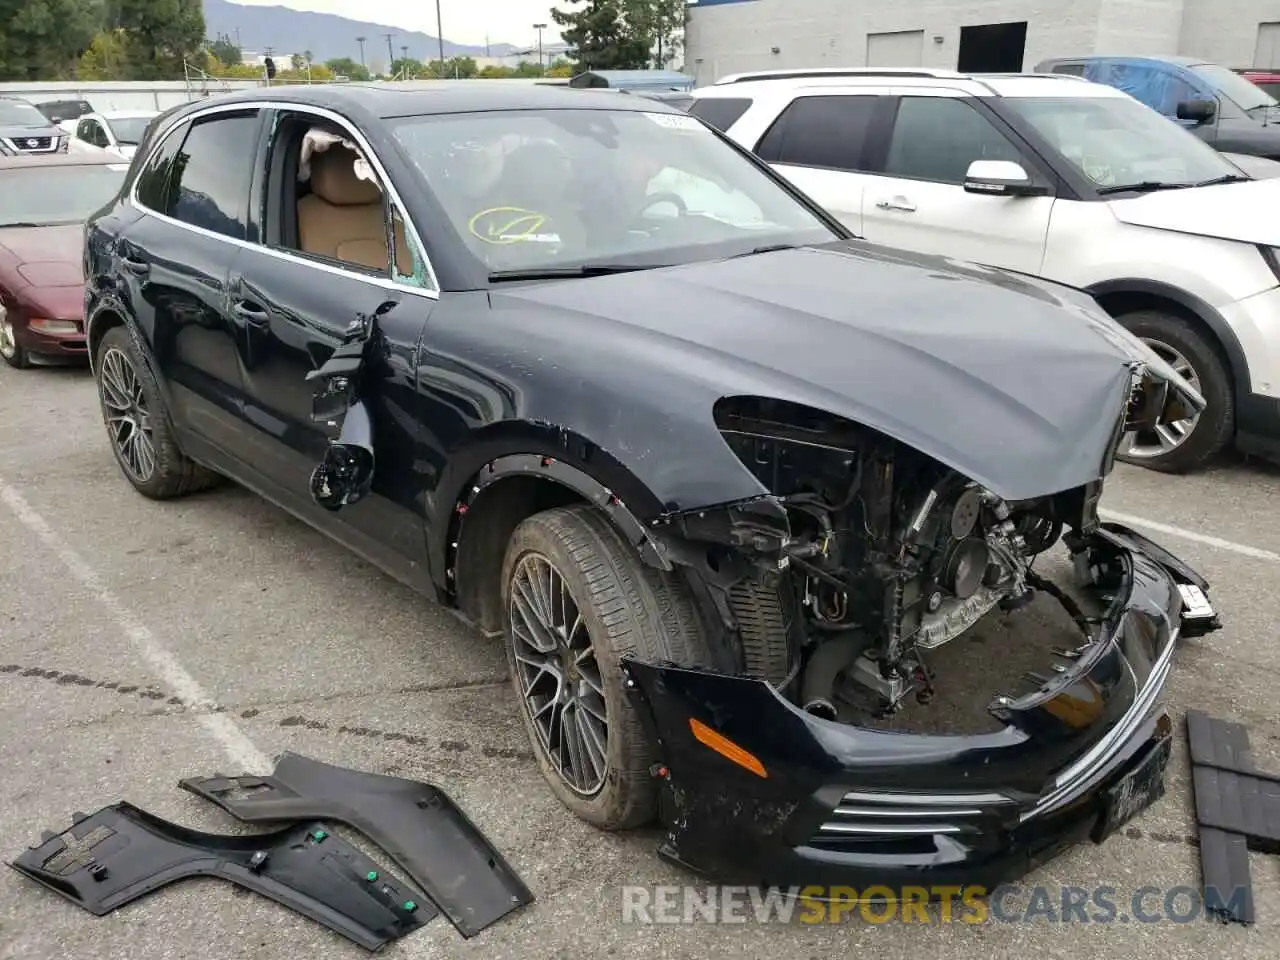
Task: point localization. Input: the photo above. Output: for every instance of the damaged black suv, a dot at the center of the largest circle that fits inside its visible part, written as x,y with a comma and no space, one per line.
721,475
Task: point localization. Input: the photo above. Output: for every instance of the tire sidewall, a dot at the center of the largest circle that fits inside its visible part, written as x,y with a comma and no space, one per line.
1216,425
610,802
120,338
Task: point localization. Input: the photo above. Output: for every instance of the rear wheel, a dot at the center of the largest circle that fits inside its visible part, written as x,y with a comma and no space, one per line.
577,598
1187,444
138,425
14,353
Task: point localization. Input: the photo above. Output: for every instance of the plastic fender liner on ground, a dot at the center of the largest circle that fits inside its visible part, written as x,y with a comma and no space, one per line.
418,826
121,853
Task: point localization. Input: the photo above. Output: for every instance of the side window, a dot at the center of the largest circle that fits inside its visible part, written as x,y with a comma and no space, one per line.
83,132
936,138
209,185
825,131
1074,69
1173,91
720,112
153,180
98,135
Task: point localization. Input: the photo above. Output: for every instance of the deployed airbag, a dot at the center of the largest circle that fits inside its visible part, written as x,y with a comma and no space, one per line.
121,853
415,823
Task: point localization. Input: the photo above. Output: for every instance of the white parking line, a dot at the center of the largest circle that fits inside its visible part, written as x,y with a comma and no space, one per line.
239,749
1216,542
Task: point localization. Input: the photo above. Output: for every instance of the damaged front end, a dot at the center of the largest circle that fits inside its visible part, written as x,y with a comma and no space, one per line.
834,591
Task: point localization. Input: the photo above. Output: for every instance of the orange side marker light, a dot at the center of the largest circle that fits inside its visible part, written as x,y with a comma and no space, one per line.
726,748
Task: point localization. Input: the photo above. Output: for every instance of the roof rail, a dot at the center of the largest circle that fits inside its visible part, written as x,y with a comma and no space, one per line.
784,74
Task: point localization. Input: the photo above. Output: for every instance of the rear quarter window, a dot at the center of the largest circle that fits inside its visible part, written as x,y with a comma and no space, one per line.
720,112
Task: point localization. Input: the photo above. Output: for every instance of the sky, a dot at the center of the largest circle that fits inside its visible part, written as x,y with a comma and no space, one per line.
465,21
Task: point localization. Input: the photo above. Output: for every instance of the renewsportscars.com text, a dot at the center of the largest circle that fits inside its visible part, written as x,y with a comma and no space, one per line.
877,904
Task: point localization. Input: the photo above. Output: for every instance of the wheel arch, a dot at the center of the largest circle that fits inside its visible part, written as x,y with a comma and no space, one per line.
1121,296
468,543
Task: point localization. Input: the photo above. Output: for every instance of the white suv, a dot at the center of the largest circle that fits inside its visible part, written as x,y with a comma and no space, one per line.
1057,177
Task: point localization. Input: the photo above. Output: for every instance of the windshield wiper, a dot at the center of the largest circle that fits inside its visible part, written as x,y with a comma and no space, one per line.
1145,186
1225,178
22,223
581,270
767,248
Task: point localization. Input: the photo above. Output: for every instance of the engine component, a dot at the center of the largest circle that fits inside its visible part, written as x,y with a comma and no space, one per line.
965,513
824,668
759,606
966,566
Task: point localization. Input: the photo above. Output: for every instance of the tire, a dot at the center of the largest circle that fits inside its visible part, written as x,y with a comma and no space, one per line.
1216,425
168,472
12,352
626,607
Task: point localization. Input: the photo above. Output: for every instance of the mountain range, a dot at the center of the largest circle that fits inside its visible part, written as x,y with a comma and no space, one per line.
287,31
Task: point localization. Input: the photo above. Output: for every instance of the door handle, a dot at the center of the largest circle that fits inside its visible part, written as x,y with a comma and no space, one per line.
138,268
897,203
254,315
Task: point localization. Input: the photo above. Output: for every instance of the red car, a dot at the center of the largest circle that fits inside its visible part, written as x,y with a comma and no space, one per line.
1268,80
44,202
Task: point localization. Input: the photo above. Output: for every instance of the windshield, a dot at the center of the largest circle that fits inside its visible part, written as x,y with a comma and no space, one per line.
1247,96
43,195
558,189
21,114
129,130
1117,140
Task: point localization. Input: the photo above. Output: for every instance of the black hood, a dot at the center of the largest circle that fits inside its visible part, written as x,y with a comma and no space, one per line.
1015,383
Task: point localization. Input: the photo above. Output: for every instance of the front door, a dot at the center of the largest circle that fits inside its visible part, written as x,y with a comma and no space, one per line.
315,273
916,199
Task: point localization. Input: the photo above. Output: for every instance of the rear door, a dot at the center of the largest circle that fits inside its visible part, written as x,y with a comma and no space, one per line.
917,201
822,143
193,190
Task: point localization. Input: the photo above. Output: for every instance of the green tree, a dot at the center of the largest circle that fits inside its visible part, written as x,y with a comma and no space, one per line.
598,32
105,59
161,34
225,49
408,67
346,67
44,39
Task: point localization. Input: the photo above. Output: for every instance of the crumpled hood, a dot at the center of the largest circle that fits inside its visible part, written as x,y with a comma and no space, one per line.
1015,383
1229,211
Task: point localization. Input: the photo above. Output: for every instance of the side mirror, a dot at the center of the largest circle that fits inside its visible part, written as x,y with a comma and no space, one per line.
345,474
999,178
1198,111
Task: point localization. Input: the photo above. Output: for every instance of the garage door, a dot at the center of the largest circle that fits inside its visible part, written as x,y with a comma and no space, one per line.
1267,52
902,49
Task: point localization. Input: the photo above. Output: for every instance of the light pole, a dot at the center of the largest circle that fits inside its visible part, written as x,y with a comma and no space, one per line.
540,27
440,37
361,40
391,54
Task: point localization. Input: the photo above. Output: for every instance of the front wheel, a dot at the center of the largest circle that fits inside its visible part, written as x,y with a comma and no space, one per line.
13,353
577,598
1185,445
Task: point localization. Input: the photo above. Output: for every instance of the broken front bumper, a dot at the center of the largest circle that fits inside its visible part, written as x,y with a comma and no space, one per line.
788,799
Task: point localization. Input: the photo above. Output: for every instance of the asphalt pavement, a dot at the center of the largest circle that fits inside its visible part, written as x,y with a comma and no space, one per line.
142,642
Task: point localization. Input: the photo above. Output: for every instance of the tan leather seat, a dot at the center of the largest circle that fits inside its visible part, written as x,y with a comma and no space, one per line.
343,218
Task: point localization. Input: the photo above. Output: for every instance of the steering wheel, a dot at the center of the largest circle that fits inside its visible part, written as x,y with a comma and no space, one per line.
664,196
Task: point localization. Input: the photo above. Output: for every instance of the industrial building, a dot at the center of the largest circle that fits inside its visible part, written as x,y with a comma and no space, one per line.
729,36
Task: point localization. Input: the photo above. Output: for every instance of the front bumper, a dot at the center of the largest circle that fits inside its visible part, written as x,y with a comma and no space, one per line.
841,805
45,343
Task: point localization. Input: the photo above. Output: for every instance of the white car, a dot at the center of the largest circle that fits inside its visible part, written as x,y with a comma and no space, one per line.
116,130
1057,177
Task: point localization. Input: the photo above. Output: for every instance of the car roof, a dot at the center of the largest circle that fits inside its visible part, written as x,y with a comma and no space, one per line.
59,160
975,84
1156,57
121,114
428,97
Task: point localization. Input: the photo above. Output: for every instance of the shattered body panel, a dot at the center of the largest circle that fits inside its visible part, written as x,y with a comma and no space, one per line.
840,804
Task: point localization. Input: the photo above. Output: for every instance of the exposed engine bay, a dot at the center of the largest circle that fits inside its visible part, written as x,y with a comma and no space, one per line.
888,555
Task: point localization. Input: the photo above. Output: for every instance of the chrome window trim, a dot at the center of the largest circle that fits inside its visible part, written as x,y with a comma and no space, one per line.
268,104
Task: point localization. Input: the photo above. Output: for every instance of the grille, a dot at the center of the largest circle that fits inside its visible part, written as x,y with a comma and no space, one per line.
887,816
31,144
